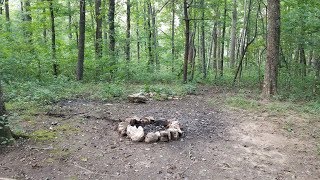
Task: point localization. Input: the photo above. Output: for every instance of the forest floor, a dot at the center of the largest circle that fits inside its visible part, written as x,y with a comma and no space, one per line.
76,139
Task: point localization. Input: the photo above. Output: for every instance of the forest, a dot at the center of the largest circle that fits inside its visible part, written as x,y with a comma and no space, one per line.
236,73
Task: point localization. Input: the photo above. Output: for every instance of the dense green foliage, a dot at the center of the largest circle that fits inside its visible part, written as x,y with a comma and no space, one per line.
26,54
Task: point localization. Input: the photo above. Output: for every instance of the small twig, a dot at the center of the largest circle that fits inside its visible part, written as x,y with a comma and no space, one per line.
89,171
40,148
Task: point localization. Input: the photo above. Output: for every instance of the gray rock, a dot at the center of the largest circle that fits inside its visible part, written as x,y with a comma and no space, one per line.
122,128
175,125
165,136
135,134
147,120
132,120
174,133
152,137
137,98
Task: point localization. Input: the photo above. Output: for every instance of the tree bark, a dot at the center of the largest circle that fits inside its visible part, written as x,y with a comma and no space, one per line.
155,37
69,20
203,48
318,68
273,44
27,11
5,132
223,38
303,60
187,34
149,38
98,42
128,35
105,26
82,24
44,31
138,33
2,106
215,48
172,35
53,40
6,7
233,34
112,41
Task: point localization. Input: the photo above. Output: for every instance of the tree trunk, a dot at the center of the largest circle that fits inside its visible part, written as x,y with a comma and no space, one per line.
187,34
155,37
69,20
105,26
112,41
303,60
223,38
203,48
27,11
5,132
233,34
6,7
270,77
128,35
192,54
53,40
172,35
149,39
215,47
82,24
2,106
98,43
1,9
44,31
318,68
138,33
91,9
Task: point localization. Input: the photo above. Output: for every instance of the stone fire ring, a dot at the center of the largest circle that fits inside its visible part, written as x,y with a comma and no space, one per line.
149,130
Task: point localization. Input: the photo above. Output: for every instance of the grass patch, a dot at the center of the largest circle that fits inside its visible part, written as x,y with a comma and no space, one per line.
242,102
251,102
43,135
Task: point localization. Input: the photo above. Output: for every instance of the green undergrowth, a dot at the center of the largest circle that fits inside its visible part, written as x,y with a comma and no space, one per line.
26,100
253,103
29,96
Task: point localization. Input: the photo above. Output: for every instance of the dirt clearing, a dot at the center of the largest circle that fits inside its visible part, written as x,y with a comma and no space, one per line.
77,140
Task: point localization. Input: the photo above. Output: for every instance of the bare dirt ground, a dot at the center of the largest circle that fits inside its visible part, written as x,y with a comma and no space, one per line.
219,142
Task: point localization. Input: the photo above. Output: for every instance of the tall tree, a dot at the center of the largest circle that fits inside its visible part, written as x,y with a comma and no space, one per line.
112,41
137,31
69,20
233,34
82,25
53,39
98,42
223,38
149,34
187,35
273,45
6,7
173,34
128,35
155,37
203,48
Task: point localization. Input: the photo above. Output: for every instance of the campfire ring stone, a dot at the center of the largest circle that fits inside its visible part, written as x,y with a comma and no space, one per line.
149,130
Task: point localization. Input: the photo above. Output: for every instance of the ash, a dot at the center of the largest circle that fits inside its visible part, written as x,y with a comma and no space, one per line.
155,126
